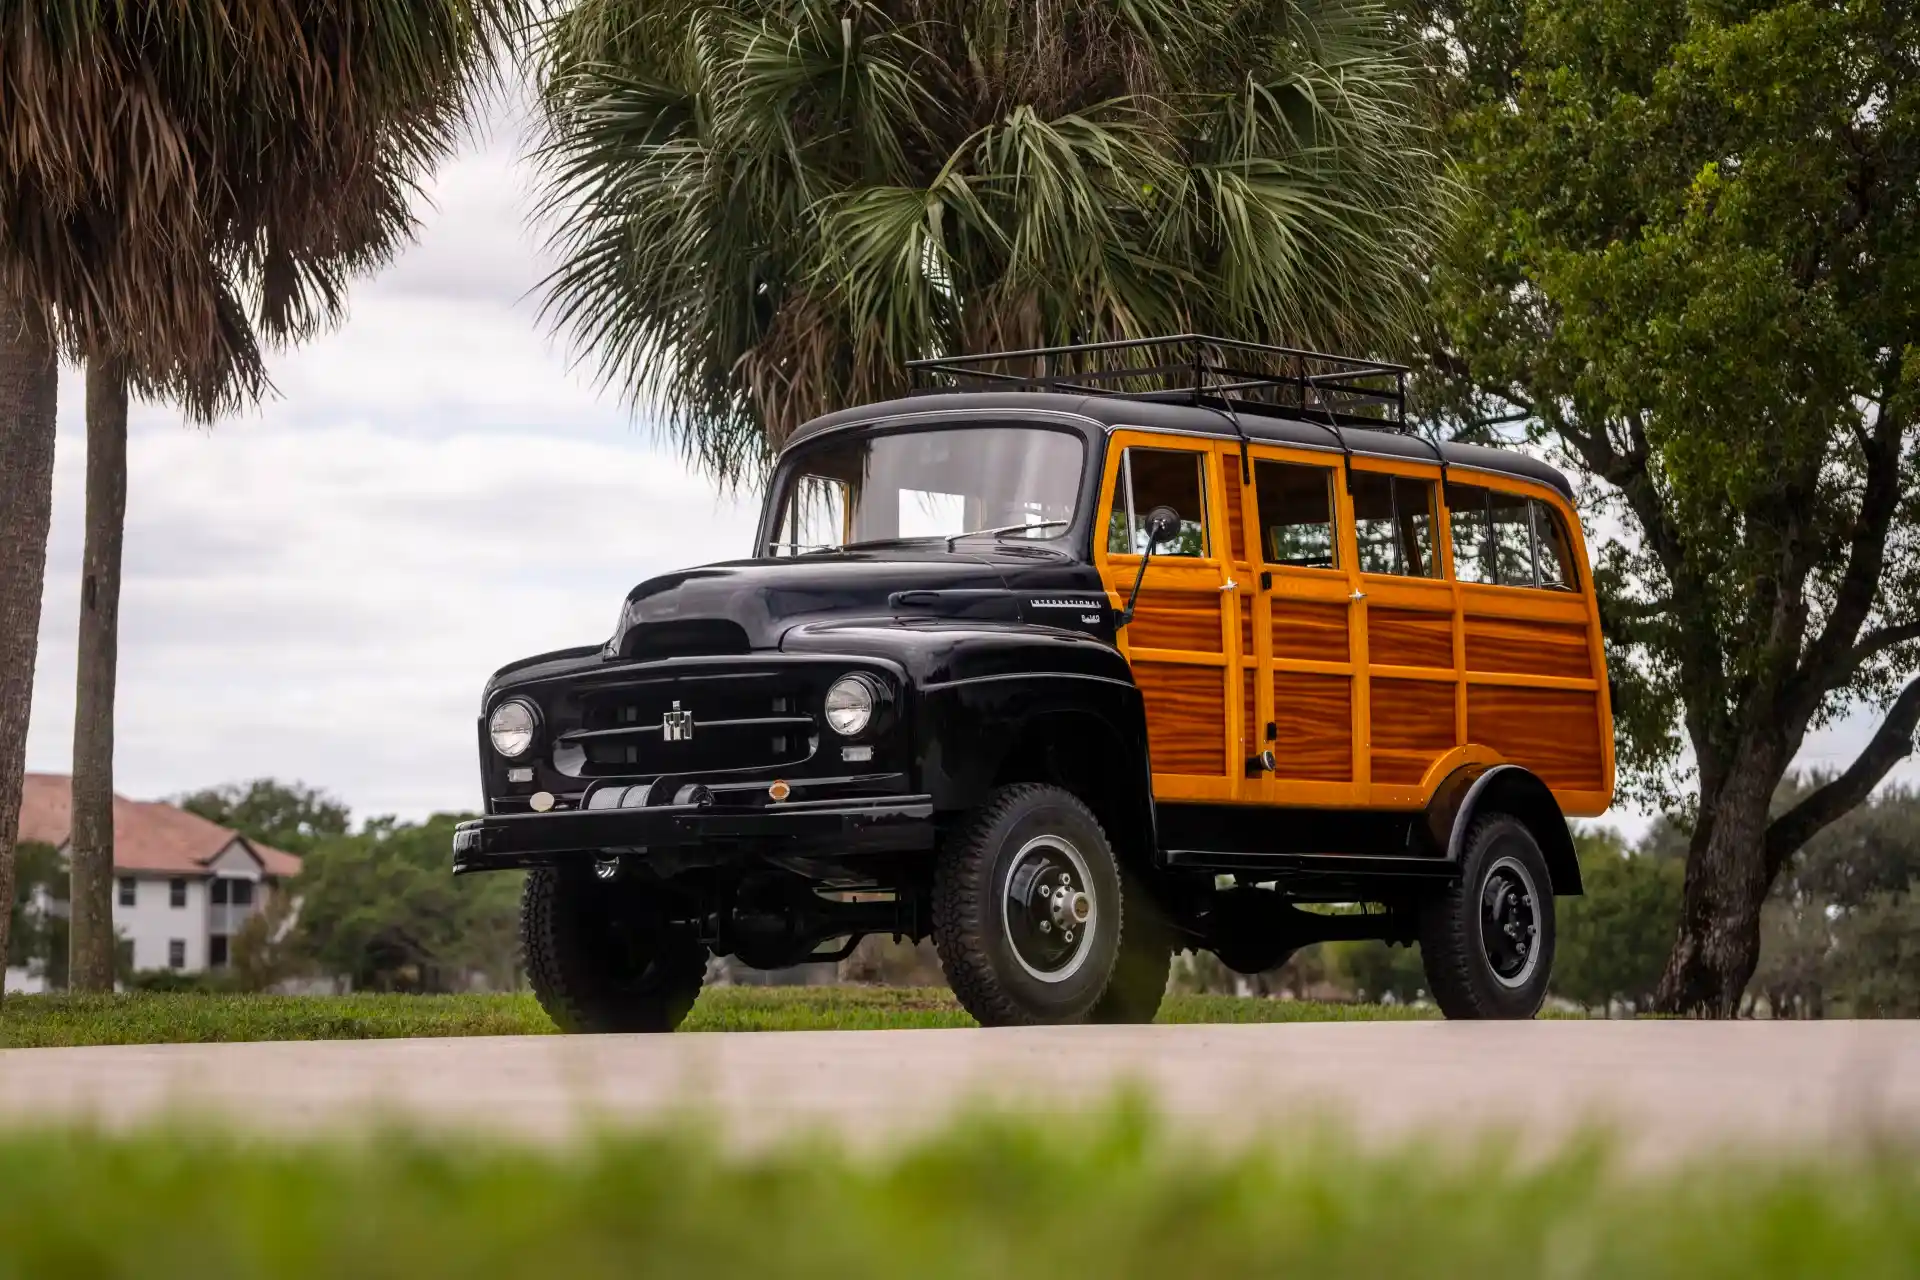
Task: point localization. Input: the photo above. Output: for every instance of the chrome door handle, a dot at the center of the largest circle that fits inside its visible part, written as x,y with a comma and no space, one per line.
1230,585
1358,595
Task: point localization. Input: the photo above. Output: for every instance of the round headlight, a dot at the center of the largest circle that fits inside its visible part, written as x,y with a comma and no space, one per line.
511,728
850,702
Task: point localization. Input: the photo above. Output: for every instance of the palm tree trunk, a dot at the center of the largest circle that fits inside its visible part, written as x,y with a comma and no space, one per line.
90,943
28,385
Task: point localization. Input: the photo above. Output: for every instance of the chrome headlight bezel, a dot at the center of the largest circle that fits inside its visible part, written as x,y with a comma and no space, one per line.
523,733
859,697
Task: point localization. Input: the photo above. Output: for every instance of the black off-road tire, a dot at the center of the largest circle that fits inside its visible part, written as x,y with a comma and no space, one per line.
1462,969
601,959
1140,971
971,927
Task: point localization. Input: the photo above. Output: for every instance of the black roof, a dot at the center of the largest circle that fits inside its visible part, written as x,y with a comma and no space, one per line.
1192,419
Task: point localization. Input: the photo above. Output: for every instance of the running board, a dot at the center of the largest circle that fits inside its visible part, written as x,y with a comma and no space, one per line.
1339,865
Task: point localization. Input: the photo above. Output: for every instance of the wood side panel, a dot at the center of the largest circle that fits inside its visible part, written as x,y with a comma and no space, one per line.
1554,732
1186,620
1522,647
1246,627
1412,727
1314,717
1310,630
1236,522
1250,728
1409,638
1186,716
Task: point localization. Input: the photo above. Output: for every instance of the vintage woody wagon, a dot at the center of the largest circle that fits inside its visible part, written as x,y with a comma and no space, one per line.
1077,658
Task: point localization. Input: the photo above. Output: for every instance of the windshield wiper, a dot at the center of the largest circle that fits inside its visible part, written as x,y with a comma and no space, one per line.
1005,528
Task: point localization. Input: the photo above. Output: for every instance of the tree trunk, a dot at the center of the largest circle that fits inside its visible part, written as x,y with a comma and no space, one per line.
90,942
1718,945
28,384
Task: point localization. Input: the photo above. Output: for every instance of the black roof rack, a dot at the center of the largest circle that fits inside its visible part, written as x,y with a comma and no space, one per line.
1190,368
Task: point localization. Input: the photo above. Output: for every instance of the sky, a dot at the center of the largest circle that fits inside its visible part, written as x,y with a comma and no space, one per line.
316,591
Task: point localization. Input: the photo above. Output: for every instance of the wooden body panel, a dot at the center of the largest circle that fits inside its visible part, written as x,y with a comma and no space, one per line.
1368,688
1554,732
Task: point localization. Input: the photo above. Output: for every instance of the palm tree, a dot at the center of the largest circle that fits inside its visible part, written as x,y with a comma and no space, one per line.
183,181
762,207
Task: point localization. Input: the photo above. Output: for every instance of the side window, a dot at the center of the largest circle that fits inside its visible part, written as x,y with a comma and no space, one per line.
815,517
1152,478
1467,507
1296,514
1555,549
1508,540
1512,542
1393,524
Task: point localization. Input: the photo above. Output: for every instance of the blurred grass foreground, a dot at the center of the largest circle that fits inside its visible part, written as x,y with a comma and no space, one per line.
1115,1194
172,1018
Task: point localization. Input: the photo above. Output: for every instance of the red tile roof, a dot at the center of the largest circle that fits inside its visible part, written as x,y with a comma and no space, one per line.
147,835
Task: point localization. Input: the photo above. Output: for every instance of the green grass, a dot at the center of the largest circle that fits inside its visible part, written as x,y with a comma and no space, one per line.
161,1018
1114,1195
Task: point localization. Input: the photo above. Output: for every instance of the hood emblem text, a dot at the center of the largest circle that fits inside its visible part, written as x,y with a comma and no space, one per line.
676,725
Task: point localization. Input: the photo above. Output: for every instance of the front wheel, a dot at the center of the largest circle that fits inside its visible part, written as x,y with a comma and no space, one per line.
1487,941
1027,909
601,956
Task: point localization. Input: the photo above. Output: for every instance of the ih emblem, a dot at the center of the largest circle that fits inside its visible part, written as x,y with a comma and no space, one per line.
676,725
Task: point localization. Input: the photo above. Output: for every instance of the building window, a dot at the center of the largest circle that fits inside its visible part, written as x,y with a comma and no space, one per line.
218,891
217,951
129,889
177,894
177,949
242,893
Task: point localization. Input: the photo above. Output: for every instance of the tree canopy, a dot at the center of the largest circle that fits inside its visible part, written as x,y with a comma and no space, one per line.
285,815
763,207
1690,261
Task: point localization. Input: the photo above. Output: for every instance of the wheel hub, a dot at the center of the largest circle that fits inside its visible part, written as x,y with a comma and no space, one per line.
1510,922
1049,912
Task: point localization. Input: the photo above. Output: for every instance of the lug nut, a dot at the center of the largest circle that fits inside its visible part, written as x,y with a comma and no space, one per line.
1046,926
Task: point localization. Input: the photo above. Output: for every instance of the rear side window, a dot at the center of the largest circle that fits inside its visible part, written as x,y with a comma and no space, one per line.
1393,524
1506,539
1152,478
1296,514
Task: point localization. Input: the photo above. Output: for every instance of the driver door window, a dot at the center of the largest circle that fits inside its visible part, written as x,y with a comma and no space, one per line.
1152,478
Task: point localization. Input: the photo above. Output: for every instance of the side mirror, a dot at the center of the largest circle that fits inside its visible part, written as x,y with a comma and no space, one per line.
1163,526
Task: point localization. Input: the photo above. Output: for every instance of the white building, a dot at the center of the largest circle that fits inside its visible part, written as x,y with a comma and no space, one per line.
183,885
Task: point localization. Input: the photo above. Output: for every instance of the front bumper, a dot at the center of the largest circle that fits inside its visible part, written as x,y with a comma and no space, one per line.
839,826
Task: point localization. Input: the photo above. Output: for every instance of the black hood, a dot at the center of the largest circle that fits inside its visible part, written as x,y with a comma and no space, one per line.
742,605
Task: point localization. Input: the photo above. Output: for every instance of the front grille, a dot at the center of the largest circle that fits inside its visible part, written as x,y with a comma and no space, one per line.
690,724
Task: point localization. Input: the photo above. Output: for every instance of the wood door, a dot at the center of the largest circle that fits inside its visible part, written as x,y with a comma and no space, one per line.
1415,717
1301,661
1184,630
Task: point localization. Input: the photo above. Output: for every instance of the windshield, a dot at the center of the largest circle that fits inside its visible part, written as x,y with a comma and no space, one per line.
1008,482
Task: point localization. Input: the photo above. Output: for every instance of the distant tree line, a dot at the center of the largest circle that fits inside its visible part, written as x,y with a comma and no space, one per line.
378,907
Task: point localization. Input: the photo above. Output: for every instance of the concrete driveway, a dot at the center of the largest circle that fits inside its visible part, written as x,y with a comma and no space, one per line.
1669,1089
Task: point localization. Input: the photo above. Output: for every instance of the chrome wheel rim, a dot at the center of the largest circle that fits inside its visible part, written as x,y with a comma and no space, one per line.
1510,922
1047,908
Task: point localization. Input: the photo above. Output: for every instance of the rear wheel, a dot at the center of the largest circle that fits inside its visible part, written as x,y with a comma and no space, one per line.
1487,941
1027,909
602,957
